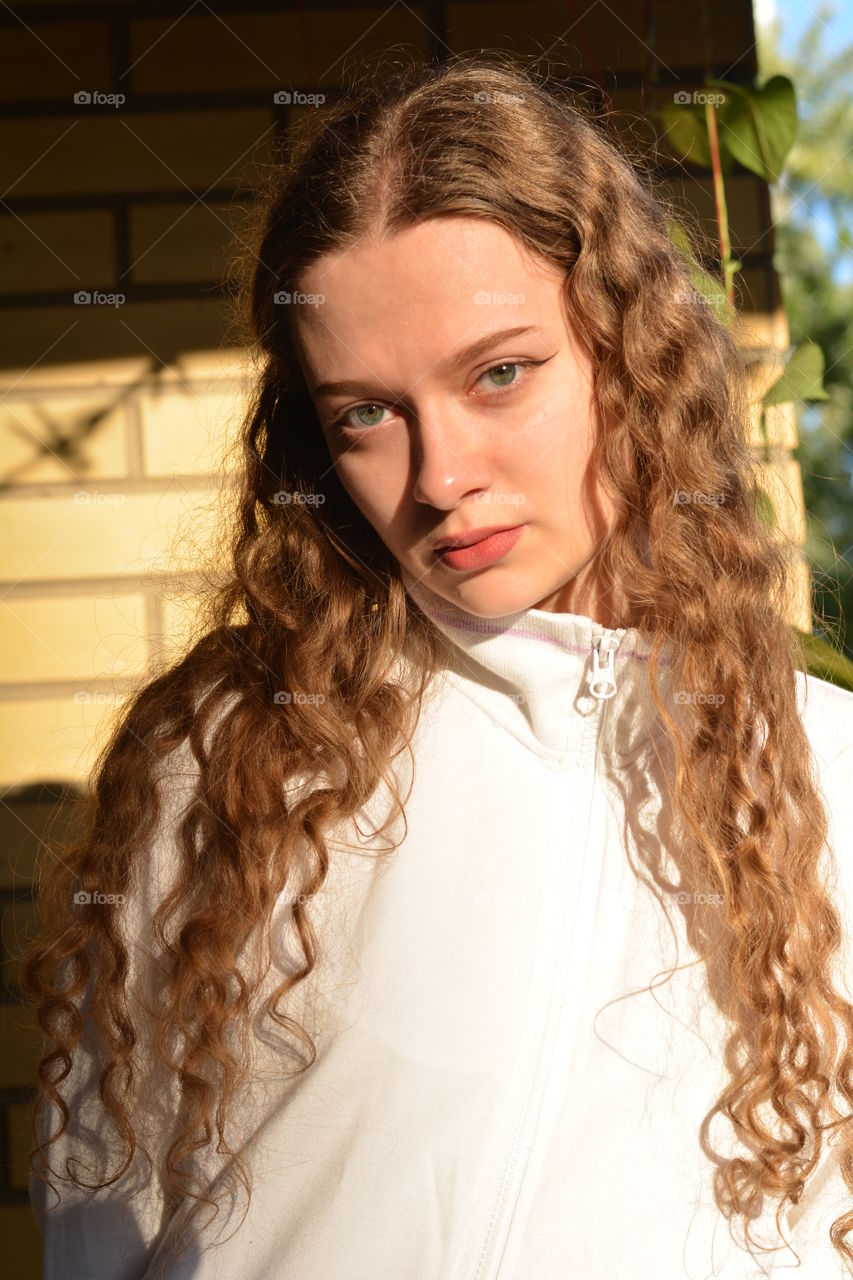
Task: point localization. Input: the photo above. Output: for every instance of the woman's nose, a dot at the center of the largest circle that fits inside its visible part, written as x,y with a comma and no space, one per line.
448,462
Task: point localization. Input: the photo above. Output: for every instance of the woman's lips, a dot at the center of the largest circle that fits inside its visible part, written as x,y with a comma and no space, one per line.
479,554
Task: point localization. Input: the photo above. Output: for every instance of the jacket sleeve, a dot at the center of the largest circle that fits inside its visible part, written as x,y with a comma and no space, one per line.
111,1233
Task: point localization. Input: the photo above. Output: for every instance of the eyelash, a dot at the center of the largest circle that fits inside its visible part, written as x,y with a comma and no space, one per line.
339,423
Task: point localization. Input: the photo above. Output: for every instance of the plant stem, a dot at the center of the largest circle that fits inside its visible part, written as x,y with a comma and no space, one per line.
720,202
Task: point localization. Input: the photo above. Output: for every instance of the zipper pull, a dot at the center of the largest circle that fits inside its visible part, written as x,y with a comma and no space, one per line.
602,682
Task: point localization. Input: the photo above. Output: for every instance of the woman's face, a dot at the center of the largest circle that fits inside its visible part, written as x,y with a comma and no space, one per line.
434,439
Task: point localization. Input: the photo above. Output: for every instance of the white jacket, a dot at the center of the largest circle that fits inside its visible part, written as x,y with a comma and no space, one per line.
489,1101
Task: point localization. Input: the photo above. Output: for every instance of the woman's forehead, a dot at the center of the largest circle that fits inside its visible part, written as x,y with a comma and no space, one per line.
429,292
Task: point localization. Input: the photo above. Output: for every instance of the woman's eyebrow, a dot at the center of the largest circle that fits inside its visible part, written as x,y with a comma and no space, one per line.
353,387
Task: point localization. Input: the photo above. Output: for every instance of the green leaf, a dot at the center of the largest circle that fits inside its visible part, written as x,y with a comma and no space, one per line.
802,378
712,292
825,662
679,237
708,287
765,508
685,132
758,126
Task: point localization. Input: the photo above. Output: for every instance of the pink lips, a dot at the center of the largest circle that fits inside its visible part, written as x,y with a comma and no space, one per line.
485,552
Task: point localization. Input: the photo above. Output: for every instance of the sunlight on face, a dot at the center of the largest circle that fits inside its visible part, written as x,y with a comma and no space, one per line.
432,440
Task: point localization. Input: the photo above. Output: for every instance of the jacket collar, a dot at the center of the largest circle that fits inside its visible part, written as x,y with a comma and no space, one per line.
532,672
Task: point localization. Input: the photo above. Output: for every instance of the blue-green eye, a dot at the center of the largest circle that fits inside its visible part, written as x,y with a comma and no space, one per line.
377,408
371,408
506,365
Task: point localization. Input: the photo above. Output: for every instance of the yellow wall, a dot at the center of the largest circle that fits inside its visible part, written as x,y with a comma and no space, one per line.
100,560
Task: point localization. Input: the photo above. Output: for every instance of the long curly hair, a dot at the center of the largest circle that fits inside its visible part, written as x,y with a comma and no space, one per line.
315,605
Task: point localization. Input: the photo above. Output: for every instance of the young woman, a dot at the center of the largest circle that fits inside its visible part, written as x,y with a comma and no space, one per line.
479,878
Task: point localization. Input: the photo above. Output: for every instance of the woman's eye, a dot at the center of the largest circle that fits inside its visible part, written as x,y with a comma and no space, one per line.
497,369
356,418
375,408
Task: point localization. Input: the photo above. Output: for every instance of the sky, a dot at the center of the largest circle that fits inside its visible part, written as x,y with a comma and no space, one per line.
794,17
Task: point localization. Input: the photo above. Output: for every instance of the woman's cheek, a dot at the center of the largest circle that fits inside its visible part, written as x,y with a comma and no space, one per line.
373,490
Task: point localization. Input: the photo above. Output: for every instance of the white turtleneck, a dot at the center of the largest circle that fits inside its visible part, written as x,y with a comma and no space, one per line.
531,671
489,1100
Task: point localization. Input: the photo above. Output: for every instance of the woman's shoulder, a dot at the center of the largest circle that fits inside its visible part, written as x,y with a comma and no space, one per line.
178,771
826,710
180,785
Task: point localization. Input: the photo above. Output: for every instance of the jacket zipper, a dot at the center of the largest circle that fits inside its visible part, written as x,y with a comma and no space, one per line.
602,682
602,685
